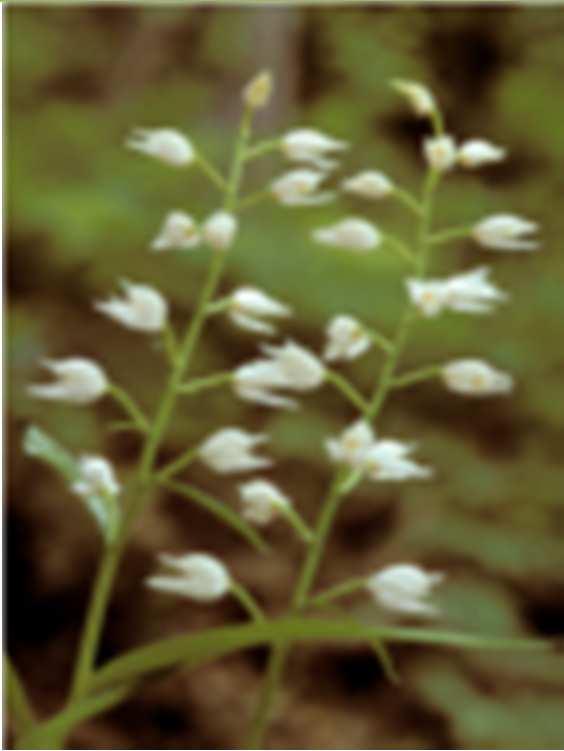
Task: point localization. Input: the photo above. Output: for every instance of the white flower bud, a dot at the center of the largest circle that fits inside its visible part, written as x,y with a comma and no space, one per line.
248,307
477,153
352,233
258,91
440,152
219,230
198,576
505,232
96,477
474,377
311,146
166,144
388,460
298,188
419,97
301,369
470,292
178,232
346,339
404,588
79,381
142,308
262,501
351,446
231,450
369,184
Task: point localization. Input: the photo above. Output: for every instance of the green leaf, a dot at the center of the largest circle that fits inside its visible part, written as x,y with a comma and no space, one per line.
19,706
195,649
105,510
53,732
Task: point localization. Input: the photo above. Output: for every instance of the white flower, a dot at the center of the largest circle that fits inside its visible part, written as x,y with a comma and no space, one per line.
219,230
352,445
346,339
388,460
311,146
384,459
474,377
166,144
79,381
418,96
470,292
505,232
248,306
352,233
262,501
199,576
258,91
404,588
231,450
178,232
96,477
440,152
288,366
476,153
369,184
141,308
298,188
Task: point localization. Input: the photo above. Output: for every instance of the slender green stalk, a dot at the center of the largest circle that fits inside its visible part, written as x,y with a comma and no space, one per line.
263,711
454,233
379,339
178,464
347,389
248,602
129,406
339,590
207,382
398,247
210,172
266,147
416,376
408,200
295,520
17,700
258,197
169,342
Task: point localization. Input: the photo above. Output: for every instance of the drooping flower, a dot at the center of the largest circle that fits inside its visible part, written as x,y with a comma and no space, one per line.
198,576
262,501
352,234
347,339
477,153
473,377
388,460
312,147
505,232
96,477
178,232
405,589
166,144
440,152
257,382
302,370
469,292
299,188
418,96
219,230
248,307
142,308
352,445
369,184
78,381
231,450
258,91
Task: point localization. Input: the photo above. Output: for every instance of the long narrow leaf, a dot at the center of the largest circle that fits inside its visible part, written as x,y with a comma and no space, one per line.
194,649
17,701
219,509
53,732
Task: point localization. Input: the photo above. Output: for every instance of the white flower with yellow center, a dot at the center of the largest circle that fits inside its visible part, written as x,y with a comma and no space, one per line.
312,147
347,339
352,233
299,188
178,232
404,588
506,232
142,308
249,307
473,377
352,445
370,184
469,292
165,144
440,152
96,477
262,501
219,230
78,381
389,461
197,576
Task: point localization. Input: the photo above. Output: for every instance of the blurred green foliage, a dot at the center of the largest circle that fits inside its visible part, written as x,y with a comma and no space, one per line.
82,210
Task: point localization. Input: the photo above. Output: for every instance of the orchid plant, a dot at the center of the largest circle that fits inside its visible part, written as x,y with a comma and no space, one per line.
274,380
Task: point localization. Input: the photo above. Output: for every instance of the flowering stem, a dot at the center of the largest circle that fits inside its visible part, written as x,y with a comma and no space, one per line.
129,406
295,520
347,389
178,464
398,247
340,590
454,233
416,376
170,344
408,200
211,172
248,602
254,198
266,147
208,382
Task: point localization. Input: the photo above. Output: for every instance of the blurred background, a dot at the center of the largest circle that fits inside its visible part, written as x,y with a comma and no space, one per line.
81,212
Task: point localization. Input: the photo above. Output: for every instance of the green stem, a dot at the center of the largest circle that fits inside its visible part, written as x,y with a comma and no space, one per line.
254,198
416,376
347,389
454,233
248,602
266,147
129,406
208,382
263,711
178,464
408,200
210,172
169,341
17,701
295,520
340,590
398,247
379,339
